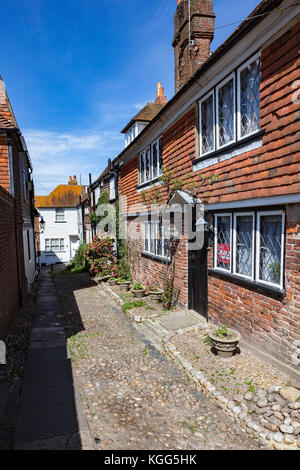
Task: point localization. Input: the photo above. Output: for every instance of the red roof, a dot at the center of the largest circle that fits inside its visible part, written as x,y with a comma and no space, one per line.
64,195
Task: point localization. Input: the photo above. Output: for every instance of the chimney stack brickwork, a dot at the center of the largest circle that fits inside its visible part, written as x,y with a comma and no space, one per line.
200,29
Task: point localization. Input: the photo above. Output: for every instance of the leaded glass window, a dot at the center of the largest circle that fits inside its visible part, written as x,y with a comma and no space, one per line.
244,233
160,156
155,160
142,168
226,113
249,102
207,131
148,165
270,248
223,242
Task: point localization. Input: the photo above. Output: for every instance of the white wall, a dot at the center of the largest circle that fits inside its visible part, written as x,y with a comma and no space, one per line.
59,230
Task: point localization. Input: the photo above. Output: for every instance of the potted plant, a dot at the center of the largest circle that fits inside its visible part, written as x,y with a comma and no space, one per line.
124,284
112,281
138,290
154,293
225,340
100,278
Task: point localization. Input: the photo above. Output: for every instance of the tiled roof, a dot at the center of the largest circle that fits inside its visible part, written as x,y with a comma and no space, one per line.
5,124
6,111
64,195
145,115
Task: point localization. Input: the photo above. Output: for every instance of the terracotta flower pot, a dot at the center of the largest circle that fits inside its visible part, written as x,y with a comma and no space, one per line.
226,346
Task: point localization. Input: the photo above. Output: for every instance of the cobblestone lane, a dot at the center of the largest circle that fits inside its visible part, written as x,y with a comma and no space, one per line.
133,397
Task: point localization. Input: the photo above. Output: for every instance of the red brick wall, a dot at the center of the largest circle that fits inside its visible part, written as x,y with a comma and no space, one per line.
263,319
9,295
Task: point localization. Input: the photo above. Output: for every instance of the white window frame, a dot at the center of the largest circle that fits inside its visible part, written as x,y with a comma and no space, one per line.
142,155
149,227
234,250
226,80
240,69
223,214
211,93
64,213
259,215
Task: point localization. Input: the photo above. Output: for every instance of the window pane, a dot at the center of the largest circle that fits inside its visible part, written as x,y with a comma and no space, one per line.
223,242
155,160
270,248
60,214
249,96
47,244
152,237
55,244
148,165
160,156
159,239
62,244
142,168
146,240
244,245
226,120
207,125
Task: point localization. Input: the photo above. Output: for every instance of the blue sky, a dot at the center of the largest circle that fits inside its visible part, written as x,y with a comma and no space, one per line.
77,71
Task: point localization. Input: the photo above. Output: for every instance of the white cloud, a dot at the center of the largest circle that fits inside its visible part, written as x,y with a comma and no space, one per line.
56,156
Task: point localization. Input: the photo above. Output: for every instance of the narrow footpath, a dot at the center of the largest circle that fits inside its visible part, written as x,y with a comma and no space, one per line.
50,414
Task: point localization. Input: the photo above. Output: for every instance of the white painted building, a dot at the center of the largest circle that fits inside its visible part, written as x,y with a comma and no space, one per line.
60,238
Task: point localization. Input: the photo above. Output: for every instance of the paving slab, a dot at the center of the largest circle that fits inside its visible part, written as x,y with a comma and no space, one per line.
47,334
179,321
38,356
47,344
47,321
48,371
49,393
41,423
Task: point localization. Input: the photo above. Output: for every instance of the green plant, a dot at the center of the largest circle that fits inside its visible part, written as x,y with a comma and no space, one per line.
221,332
137,286
121,280
208,341
133,304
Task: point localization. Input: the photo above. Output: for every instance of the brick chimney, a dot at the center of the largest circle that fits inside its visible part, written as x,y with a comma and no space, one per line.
160,96
194,24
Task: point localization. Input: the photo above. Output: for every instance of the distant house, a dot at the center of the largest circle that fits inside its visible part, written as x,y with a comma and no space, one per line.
60,239
17,239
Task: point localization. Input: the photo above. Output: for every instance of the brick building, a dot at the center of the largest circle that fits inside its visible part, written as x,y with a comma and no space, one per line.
17,240
235,116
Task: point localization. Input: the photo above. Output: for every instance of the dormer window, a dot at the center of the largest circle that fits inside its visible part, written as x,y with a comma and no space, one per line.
134,131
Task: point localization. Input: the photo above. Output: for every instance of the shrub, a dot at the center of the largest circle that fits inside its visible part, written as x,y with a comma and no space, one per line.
79,262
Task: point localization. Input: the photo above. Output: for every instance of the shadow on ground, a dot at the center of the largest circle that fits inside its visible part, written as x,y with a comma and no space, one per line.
50,414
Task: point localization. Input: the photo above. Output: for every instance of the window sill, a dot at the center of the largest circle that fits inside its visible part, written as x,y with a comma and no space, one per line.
160,259
60,222
235,145
262,288
148,184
